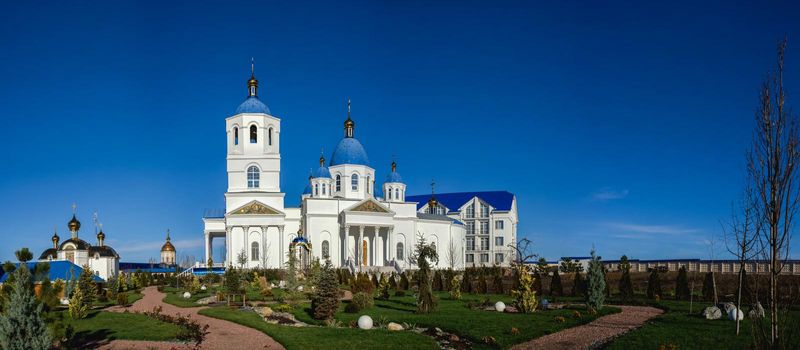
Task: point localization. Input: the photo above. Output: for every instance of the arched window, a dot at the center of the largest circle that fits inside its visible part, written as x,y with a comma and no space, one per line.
254,251
354,182
368,185
316,190
235,135
400,251
269,137
338,183
253,177
326,250
253,134
324,192
389,193
396,194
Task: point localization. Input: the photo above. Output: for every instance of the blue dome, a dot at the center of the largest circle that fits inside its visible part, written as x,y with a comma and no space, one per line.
394,177
321,172
252,105
349,151
299,239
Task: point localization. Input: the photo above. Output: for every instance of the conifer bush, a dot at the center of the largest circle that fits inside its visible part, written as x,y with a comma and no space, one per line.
325,302
360,302
424,254
524,295
555,285
654,285
682,285
87,285
455,288
578,285
708,287
23,324
596,283
383,288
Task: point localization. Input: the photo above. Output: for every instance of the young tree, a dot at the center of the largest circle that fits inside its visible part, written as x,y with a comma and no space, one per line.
453,255
241,258
741,237
426,301
87,286
524,295
24,255
578,285
325,302
654,285
595,296
555,285
23,323
682,285
625,284
772,168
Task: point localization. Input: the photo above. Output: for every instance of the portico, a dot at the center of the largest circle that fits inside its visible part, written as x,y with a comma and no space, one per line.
366,234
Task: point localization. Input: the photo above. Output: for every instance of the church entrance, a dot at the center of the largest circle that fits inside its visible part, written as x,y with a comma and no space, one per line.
364,251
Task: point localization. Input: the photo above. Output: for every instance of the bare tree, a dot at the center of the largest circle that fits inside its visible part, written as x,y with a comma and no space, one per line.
241,258
772,165
741,238
523,251
453,255
712,243
265,253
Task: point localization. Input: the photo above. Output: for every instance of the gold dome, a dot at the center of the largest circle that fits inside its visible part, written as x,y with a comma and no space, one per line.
168,247
101,235
74,225
432,203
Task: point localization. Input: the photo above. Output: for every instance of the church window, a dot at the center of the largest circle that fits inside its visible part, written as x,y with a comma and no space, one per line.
269,137
324,189
470,211
338,183
235,135
253,177
389,193
396,194
326,250
368,185
400,251
354,182
316,189
254,251
253,134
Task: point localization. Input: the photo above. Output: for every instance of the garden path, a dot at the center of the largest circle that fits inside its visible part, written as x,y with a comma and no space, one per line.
221,334
596,332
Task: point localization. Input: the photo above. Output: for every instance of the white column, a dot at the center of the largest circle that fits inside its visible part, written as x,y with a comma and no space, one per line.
208,246
391,251
280,242
263,248
360,245
228,248
378,248
343,246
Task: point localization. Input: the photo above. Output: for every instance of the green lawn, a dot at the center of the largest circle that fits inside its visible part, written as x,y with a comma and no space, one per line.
174,296
692,331
454,316
101,325
324,337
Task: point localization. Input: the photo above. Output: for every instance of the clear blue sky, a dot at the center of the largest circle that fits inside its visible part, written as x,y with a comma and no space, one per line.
619,125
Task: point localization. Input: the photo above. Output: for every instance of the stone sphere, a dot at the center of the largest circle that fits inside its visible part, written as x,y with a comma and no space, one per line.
365,322
203,287
187,295
735,313
500,306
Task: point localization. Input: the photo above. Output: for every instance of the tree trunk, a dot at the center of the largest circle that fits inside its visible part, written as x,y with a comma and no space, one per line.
739,296
773,290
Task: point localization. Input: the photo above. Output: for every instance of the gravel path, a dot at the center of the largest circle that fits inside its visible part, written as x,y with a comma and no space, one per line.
221,334
596,332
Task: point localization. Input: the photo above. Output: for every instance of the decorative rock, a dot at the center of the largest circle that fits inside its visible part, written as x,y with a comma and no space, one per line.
439,332
64,301
265,311
454,338
728,307
365,322
712,313
756,311
187,295
500,306
735,313
203,287
394,326
545,304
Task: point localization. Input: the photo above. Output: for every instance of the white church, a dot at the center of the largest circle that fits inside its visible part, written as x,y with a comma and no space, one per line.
346,213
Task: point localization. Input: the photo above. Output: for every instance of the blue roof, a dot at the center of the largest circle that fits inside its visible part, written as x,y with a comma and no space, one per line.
499,200
59,269
321,172
252,105
394,177
349,151
146,267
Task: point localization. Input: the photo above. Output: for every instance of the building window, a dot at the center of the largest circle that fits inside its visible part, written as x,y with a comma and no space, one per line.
485,227
484,258
484,210
316,190
338,183
253,134
253,177
269,137
470,243
498,225
389,193
470,258
470,211
470,227
326,250
368,186
498,241
254,251
498,258
396,194
484,243
235,135
354,182
324,191
400,251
